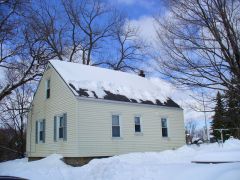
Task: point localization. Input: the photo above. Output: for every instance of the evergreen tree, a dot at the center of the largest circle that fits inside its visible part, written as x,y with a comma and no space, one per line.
233,112
218,118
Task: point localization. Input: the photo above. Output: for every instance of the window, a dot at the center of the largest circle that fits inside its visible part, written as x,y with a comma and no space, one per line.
137,124
164,127
40,131
60,127
115,126
48,89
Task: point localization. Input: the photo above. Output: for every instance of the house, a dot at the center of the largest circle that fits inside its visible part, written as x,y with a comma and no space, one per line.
85,112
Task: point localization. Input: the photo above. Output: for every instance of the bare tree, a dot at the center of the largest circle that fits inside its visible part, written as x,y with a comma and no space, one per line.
14,109
16,58
200,43
92,21
56,32
31,34
75,31
190,126
129,51
43,23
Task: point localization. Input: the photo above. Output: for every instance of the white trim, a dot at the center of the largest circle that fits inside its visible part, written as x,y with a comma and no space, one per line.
125,103
116,113
120,125
138,134
165,137
141,126
39,125
117,138
58,126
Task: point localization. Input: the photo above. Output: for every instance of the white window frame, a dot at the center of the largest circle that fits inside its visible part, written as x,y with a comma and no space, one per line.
141,127
39,130
48,86
165,127
120,125
58,126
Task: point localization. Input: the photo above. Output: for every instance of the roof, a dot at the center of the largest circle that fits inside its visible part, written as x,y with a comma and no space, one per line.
100,83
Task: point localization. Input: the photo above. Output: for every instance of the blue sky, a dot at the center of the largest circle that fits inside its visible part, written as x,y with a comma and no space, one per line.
141,13
138,8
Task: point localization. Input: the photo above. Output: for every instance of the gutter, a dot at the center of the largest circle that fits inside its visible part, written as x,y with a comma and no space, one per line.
124,103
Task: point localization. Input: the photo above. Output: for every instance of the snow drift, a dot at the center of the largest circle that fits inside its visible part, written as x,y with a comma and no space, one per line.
166,165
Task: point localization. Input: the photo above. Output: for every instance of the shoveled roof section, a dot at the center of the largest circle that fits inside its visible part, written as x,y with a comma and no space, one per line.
101,83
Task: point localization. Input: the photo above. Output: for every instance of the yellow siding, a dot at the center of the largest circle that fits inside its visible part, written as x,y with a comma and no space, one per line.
89,124
61,100
95,138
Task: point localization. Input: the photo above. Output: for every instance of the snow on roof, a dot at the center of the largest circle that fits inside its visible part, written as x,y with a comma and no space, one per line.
95,82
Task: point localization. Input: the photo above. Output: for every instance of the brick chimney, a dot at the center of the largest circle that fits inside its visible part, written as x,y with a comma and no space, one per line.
141,73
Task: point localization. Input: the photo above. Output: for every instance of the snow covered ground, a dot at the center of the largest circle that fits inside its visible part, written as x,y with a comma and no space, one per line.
166,165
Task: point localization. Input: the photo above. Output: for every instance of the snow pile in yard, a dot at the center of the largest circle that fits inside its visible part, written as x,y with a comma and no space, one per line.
230,152
218,157
232,144
166,165
47,168
100,80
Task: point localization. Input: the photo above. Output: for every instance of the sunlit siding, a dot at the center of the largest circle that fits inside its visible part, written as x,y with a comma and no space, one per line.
95,138
89,128
61,101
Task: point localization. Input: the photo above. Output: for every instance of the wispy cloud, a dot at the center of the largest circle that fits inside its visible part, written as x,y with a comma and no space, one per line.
141,2
148,4
147,30
146,25
185,98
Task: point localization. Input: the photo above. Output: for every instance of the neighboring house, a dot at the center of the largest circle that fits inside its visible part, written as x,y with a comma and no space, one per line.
85,112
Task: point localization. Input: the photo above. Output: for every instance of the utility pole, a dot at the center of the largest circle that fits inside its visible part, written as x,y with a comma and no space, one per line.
205,117
221,131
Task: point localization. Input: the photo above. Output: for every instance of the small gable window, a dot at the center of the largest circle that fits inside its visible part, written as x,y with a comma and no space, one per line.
48,89
164,127
137,121
115,126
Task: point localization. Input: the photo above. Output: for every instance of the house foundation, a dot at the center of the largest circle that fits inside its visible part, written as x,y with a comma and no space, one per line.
73,161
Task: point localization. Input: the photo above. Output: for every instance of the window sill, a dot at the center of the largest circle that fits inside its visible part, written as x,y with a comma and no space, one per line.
46,100
138,134
166,138
40,142
60,140
117,138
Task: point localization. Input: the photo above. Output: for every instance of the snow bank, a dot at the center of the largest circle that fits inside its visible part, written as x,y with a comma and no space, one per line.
167,165
47,168
234,156
230,152
53,160
232,144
